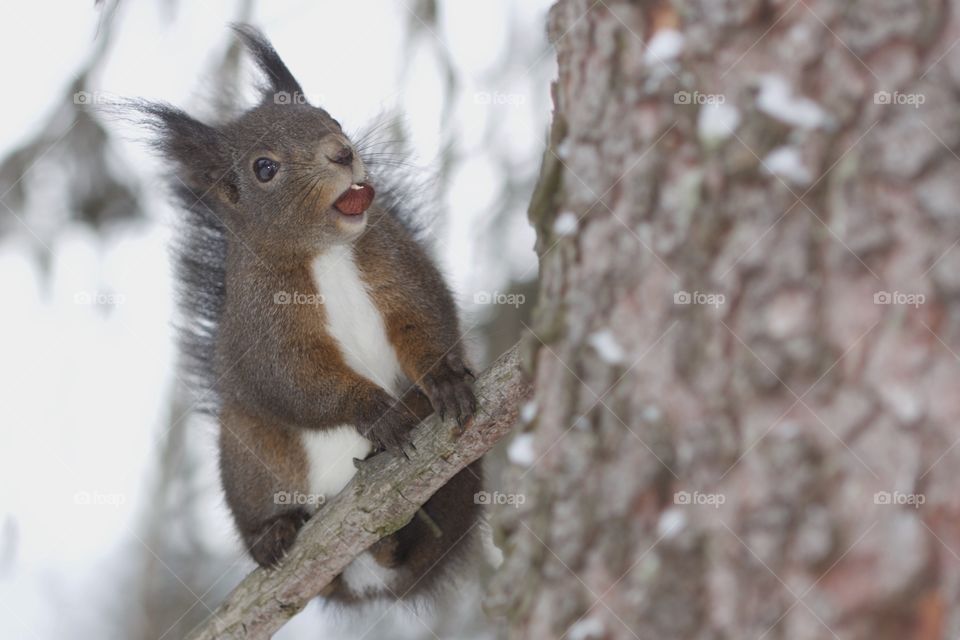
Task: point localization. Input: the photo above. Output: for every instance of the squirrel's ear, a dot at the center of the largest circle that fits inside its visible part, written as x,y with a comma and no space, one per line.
280,78
200,154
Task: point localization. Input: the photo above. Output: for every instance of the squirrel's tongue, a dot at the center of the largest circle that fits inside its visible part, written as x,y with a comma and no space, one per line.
355,200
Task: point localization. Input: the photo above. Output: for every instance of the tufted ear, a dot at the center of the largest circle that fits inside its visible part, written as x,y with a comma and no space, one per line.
200,154
280,78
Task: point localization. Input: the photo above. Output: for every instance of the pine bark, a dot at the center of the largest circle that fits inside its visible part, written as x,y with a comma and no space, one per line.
745,351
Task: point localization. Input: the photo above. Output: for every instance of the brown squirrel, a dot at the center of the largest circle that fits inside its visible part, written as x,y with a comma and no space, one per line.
316,324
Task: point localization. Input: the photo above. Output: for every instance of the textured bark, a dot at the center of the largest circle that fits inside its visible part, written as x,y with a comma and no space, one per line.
382,497
702,471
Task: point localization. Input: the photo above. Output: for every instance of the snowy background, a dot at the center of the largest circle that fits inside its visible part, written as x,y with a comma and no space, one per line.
111,520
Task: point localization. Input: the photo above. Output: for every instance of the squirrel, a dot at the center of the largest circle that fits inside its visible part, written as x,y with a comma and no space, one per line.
316,325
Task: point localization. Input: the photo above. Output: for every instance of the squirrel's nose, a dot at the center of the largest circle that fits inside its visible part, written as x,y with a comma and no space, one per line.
344,156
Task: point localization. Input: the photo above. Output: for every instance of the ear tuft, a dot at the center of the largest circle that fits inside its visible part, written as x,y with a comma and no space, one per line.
199,152
267,59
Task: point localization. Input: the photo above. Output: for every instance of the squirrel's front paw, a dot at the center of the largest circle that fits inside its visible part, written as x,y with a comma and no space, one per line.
276,536
450,389
391,432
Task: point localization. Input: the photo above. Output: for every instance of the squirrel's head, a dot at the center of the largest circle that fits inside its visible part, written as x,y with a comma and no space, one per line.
283,175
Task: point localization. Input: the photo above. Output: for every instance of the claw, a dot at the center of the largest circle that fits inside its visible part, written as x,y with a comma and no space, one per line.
449,391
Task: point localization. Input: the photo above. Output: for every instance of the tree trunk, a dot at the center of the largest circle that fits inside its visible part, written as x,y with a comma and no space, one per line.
745,350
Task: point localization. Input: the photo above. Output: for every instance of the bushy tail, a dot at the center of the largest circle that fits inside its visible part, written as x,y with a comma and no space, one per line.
200,258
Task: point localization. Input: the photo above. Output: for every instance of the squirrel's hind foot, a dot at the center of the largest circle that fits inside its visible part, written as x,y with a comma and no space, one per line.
274,538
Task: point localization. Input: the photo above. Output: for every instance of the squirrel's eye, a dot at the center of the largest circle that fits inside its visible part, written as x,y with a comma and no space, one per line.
265,169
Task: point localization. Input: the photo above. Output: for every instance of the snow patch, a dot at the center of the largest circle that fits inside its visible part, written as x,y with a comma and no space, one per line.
587,629
521,451
671,522
665,46
528,412
566,224
717,122
787,163
904,404
789,429
651,413
607,346
777,100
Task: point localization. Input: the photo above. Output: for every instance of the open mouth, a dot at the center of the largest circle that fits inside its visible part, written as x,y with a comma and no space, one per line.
355,200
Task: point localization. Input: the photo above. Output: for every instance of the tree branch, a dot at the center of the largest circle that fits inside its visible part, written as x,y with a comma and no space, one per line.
382,497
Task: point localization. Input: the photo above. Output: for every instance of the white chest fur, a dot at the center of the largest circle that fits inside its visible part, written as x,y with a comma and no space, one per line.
355,323
353,319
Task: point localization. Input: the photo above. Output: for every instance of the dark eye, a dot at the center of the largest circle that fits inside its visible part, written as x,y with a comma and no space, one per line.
265,169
